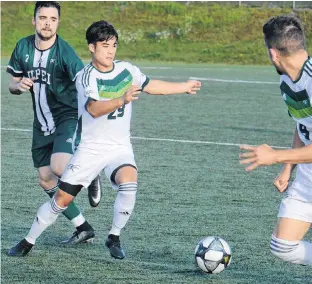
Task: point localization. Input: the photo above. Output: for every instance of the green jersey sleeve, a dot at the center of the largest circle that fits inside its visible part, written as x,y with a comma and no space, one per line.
14,67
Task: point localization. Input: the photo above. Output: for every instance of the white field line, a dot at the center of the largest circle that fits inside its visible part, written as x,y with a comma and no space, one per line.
162,139
203,78
156,68
234,81
217,80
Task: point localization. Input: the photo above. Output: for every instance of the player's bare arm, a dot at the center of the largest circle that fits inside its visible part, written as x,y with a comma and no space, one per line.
157,87
281,182
264,155
19,85
99,108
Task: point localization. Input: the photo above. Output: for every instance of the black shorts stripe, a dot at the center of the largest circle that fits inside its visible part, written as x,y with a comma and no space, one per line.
72,189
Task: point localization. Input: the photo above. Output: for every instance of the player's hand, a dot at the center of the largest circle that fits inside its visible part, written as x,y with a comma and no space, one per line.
193,86
131,94
282,180
25,84
262,155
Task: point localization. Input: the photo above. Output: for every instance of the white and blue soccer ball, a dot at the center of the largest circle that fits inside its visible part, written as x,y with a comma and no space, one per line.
213,254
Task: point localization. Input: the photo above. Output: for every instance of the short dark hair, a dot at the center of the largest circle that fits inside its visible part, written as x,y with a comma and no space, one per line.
47,4
100,31
284,33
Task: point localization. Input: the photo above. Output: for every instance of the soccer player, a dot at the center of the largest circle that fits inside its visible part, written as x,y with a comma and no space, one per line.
46,65
285,41
106,89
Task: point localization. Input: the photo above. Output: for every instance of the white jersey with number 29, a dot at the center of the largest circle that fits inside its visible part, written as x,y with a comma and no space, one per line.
92,84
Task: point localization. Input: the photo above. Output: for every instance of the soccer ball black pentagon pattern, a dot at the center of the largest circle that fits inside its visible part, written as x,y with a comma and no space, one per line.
213,254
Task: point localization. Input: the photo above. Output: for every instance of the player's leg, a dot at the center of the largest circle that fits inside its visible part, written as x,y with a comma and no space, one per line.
80,171
84,168
48,182
61,154
126,181
59,161
123,176
43,157
64,140
295,218
46,216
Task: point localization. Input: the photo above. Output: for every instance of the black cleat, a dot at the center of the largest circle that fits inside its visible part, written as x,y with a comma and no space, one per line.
21,249
95,192
115,249
79,237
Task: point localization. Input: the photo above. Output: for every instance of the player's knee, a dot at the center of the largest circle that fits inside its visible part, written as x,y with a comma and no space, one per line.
47,179
284,250
63,199
57,169
59,162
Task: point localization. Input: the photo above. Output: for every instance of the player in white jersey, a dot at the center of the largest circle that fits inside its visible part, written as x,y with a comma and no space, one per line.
284,38
106,89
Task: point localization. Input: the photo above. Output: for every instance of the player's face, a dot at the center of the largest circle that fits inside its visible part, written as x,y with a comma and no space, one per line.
104,52
46,22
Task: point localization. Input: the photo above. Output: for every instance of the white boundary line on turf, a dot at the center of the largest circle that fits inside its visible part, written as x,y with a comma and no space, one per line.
203,78
219,80
233,81
161,139
160,68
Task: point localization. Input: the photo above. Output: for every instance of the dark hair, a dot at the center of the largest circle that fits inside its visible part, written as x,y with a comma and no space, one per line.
47,4
100,31
284,33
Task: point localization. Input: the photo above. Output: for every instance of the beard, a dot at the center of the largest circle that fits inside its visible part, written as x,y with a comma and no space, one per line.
44,38
279,72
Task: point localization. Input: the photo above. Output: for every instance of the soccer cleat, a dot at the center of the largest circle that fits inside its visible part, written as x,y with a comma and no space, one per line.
21,249
79,237
115,249
95,192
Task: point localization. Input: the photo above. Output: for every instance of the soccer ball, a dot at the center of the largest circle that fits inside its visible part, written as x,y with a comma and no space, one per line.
213,254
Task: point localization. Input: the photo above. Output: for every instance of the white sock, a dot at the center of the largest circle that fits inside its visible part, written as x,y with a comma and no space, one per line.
298,252
46,216
79,220
123,207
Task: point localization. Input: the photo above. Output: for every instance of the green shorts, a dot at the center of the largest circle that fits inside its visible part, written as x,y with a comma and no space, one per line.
60,141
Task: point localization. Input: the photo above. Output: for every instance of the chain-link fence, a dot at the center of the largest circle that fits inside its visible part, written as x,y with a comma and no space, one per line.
260,4
278,4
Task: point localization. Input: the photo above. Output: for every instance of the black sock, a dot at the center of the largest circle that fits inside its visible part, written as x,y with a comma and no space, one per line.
84,227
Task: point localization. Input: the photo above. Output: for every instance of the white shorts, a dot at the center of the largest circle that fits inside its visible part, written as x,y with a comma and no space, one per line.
86,164
295,209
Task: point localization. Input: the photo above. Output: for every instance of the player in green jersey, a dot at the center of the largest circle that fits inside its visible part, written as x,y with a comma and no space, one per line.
46,65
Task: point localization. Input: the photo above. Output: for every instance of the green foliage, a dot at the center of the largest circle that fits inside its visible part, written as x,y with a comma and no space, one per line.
208,32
